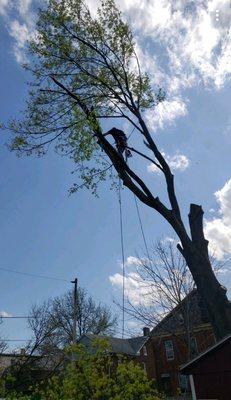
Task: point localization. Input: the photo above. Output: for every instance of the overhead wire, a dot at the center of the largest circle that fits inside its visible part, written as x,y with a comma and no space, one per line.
33,275
18,317
12,317
15,340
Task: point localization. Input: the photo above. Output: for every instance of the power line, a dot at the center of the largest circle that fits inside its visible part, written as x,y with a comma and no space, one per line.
33,275
15,340
15,317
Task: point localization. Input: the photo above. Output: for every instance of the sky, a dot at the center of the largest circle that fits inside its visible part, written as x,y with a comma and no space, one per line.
186,49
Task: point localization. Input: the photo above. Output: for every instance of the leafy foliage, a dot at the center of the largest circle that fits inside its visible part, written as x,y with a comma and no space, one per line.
94,59
96,375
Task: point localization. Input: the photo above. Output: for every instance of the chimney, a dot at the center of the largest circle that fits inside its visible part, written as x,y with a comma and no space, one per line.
22,352
146,331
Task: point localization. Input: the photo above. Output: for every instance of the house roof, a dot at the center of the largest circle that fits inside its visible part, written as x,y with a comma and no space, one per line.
173,321
17,355
211,349
129,346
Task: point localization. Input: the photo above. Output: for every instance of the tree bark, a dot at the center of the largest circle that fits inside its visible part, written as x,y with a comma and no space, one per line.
212,293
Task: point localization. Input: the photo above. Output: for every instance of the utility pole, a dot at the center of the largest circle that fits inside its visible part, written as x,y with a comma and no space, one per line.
75,308
75,282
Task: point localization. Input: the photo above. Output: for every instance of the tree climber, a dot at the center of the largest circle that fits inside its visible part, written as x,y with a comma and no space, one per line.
120,141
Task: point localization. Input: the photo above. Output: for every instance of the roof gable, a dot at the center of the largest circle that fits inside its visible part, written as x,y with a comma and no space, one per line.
129,346
173,321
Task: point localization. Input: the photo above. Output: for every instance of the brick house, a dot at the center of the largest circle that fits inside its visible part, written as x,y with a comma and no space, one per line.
173,344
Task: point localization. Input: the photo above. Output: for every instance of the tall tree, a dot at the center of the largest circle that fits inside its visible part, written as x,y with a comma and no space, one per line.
52,322
86,71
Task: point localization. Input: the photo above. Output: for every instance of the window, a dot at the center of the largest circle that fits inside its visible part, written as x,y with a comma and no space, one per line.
193,347
183,382
145,353
169,350
144,366
180,318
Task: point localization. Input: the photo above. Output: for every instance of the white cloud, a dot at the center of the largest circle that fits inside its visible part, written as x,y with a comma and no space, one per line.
19,20
137,291
218,230
5,314
198,47
134,261
131,260
21,34
176,162
167,240
165,113
24,8
4,5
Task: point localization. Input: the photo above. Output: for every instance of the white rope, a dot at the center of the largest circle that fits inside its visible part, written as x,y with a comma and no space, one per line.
123,258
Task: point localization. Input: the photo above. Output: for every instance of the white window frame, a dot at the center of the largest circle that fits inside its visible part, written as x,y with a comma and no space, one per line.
144,366
183,382
145,353
169,352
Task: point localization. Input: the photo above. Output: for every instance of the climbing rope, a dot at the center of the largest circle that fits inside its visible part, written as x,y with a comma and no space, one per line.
141,227
122,244
123,258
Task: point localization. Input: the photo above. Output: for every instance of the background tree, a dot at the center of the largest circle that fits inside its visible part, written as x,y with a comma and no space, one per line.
52,324
3,344
56,317
168,289
87,72
166,281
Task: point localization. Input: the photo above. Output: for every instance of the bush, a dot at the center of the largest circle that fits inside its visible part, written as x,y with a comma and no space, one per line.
96,375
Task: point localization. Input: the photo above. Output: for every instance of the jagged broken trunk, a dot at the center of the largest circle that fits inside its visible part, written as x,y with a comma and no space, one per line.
212,293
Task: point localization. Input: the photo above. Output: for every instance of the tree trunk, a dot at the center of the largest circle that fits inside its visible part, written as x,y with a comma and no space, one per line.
212,293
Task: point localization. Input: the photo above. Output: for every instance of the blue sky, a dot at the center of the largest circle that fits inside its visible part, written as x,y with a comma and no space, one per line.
44,231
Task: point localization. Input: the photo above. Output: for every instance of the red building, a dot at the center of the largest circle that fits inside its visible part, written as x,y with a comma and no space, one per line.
210,372
173,344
